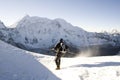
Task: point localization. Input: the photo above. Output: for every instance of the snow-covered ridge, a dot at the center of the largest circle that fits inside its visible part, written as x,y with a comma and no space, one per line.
17,64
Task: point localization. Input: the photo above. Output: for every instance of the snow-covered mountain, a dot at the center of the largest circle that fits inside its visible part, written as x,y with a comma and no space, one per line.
113,37
42,33
36,32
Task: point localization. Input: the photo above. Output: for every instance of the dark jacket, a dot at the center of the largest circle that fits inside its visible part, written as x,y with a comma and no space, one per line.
61,48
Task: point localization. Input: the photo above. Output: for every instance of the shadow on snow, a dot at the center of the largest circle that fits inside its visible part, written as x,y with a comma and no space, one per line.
99,64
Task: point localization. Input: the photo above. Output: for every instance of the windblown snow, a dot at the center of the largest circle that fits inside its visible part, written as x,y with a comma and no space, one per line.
17,64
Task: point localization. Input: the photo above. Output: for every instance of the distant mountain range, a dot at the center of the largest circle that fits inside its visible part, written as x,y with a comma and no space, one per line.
41,33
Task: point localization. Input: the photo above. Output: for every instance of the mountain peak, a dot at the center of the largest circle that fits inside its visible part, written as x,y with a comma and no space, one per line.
25,17
2,24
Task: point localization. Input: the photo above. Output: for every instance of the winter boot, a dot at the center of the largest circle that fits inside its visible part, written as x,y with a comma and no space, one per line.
58,68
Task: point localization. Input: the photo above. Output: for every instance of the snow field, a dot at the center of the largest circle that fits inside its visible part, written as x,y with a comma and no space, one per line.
17,64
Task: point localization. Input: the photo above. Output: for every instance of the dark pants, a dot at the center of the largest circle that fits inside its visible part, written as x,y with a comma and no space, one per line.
58,60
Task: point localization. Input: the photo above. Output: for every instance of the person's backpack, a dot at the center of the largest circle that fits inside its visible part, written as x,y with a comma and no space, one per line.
63,48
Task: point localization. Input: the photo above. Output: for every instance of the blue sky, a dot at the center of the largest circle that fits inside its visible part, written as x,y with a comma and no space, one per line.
91,15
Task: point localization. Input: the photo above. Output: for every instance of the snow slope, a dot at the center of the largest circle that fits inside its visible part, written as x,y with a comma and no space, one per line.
17,64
